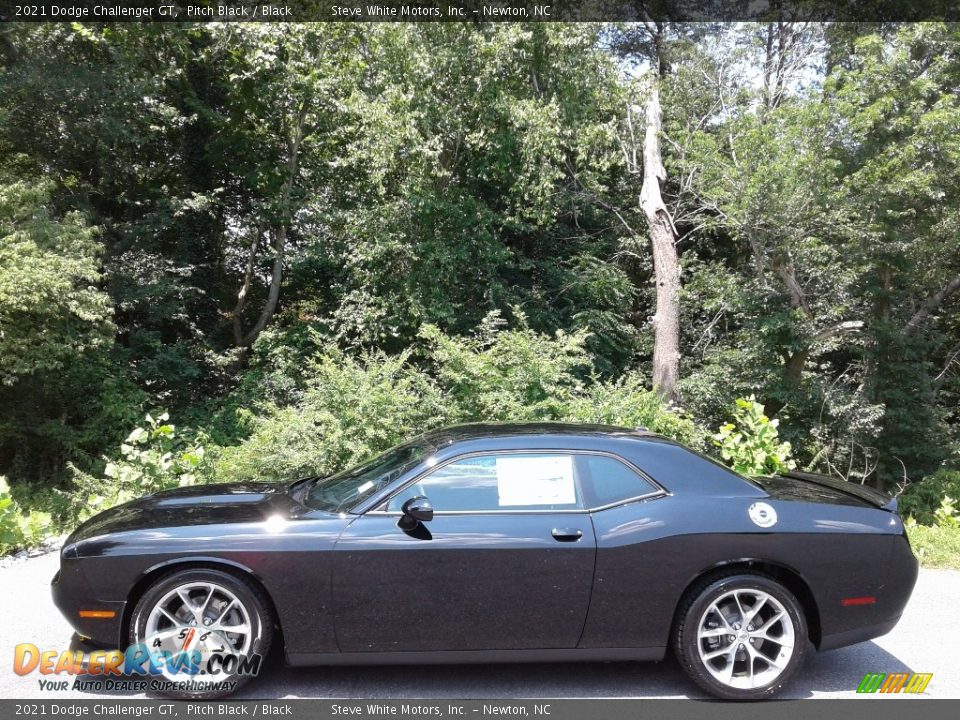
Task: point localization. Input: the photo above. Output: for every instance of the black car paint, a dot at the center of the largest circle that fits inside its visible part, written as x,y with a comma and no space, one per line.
355,588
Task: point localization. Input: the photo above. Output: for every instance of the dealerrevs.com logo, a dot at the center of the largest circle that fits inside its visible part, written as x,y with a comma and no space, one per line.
894,682
141,667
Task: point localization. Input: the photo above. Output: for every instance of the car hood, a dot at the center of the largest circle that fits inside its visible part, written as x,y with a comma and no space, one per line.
197,505
809,487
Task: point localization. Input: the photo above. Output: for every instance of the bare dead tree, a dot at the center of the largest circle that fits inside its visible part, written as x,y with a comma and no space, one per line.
666,263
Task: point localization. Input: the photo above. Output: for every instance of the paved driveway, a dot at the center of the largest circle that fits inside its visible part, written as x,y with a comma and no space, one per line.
926,640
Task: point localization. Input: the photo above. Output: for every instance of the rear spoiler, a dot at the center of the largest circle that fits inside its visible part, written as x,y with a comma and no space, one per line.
876,498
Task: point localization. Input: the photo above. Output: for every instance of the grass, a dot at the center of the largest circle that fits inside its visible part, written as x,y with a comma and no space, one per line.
936,547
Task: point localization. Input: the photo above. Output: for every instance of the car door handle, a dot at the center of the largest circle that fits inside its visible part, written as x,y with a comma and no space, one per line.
566,534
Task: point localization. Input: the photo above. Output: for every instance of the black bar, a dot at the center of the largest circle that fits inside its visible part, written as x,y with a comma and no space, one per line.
477,10
444,709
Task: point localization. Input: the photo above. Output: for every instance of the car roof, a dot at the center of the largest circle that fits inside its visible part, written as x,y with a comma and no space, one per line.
482,431
669,463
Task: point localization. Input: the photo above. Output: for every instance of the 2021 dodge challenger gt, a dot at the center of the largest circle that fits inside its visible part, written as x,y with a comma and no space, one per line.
498,543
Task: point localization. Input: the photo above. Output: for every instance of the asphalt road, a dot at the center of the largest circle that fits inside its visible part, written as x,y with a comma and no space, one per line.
926,640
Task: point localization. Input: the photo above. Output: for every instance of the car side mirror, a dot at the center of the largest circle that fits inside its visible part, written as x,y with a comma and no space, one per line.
416,510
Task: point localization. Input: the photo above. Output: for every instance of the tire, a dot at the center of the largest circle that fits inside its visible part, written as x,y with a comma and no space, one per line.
163,620
765,654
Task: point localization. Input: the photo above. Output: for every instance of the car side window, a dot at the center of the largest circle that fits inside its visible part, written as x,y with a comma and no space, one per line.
606,480
498,482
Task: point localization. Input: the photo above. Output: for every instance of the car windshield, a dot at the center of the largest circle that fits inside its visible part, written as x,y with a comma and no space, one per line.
345,489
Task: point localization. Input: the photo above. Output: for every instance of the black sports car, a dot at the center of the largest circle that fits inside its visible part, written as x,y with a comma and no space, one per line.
497,543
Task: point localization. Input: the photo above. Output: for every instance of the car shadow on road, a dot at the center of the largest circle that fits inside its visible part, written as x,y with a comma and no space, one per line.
841,671
836,673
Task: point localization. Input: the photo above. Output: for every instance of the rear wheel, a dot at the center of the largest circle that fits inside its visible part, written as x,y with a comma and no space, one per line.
741,637
204,629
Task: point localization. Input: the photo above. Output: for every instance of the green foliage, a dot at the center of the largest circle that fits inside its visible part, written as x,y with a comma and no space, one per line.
352,408
508,374
751,443
20,528
922,500
628,402
9,530
56,338
404,183
51,313
349,409
946,516
153,457
934,546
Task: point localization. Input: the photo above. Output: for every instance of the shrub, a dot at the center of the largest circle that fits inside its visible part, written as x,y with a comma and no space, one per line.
629,403
751,443
349,410
154,458
921,500
345,409
9,528
499,374
19,528
938,543
946,515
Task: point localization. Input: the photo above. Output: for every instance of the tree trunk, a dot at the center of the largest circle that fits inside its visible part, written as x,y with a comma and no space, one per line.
930,305
666,265
794,363
279,245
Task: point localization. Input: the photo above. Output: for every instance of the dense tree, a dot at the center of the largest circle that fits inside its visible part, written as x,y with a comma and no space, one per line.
55,337
190,215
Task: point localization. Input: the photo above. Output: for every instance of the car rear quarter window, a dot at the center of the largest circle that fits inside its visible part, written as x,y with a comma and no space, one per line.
679,469
606,481
498,482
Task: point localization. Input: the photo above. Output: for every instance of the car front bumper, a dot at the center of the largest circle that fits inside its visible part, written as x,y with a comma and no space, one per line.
72,593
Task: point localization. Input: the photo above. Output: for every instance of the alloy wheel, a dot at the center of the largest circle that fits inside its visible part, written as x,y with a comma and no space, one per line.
203,617
746,638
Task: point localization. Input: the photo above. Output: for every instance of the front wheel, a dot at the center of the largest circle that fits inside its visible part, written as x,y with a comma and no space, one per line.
206,632
741,637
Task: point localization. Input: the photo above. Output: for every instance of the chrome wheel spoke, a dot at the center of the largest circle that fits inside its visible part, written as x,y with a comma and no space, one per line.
223,613
743,615
716,653
714,632
187,602
758,606
783,642
772,621
727,672
242,629
716,610
754,654
206,602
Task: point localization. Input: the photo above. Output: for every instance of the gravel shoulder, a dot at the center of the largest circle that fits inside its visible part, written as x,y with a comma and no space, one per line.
924,641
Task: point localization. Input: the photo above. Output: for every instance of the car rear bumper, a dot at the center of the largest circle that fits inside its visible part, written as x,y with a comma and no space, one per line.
857,635
850,619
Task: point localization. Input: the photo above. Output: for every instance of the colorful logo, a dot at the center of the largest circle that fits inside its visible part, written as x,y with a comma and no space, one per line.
894,682
183,669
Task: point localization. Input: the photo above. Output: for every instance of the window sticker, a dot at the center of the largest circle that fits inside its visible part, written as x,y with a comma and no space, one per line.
542,480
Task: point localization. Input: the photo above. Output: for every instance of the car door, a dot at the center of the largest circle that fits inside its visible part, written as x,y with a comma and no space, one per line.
506,562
